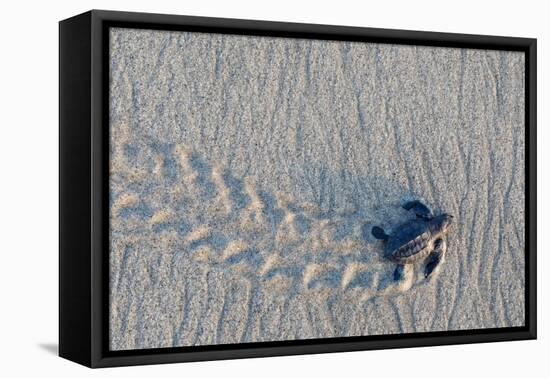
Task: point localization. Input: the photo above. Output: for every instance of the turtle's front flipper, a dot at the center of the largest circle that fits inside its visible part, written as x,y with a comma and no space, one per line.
436,258
421,210
379,233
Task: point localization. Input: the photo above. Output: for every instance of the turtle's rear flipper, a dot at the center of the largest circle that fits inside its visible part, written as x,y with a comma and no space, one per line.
399,273
436,258
379,233
421,210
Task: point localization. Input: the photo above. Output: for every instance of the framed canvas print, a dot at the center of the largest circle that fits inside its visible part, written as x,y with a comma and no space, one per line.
234,188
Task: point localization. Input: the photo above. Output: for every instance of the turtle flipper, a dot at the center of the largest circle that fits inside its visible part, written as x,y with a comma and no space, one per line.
436,258
421,210
379,233
399,273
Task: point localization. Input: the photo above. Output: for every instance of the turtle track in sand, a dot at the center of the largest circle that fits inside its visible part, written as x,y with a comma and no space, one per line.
231,225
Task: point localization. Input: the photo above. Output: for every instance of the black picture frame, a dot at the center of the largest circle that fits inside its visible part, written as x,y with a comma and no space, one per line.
83,193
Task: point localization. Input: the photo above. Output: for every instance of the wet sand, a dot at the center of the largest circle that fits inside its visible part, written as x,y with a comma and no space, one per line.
247,172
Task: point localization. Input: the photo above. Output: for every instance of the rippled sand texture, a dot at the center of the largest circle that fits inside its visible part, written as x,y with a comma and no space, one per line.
246,173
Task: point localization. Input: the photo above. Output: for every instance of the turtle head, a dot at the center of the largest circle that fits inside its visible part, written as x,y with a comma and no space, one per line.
440,224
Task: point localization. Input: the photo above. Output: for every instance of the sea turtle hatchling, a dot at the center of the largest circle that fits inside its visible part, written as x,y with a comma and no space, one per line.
416,239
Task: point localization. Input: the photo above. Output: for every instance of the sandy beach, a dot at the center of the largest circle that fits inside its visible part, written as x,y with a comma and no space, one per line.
247,173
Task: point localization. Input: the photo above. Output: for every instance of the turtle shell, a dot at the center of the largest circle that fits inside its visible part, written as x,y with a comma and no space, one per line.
409,242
